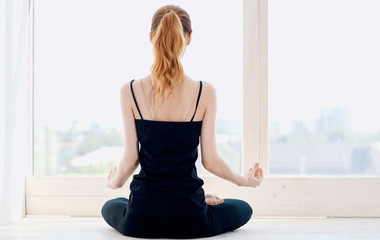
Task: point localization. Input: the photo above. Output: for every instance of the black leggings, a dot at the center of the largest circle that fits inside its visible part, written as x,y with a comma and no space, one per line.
228,216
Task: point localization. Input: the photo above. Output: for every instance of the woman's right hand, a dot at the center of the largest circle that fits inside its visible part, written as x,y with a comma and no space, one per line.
255,176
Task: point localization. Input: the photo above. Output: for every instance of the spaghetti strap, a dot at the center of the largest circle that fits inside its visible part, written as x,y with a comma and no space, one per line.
137,106
199,95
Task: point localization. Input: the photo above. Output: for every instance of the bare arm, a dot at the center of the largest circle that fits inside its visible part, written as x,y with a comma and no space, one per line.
210,158
129,161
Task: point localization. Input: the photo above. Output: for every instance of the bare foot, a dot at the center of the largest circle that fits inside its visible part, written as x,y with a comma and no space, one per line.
213,200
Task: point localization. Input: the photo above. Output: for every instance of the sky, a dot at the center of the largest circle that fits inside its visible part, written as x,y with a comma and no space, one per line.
321,54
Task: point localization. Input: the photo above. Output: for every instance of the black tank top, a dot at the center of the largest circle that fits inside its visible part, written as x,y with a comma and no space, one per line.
167,184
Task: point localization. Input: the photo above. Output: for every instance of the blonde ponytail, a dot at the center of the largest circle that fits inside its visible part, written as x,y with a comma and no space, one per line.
168,46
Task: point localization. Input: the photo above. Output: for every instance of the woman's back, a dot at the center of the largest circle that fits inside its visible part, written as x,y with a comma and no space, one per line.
167,184
178,107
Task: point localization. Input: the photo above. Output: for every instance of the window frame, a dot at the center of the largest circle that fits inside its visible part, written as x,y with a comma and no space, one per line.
279,195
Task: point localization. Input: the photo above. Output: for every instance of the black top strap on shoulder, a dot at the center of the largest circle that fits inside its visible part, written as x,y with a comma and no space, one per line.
199,95
137,106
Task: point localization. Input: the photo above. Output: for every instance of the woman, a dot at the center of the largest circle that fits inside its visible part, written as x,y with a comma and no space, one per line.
168,112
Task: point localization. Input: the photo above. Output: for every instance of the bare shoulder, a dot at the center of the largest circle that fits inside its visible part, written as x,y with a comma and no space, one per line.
125,89
208,91
126,94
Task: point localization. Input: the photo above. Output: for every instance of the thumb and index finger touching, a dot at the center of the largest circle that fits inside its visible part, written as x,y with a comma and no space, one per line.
258,172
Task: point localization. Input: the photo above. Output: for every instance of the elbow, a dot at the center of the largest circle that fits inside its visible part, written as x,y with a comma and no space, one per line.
134,165
131,166
209,164
131,161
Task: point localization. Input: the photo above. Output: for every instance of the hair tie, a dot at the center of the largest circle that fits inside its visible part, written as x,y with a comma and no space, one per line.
169,11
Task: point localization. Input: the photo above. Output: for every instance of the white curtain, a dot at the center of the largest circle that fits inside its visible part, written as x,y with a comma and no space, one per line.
14,163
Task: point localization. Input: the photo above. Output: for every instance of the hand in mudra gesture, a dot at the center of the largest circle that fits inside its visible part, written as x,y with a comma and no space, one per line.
111,177
255,176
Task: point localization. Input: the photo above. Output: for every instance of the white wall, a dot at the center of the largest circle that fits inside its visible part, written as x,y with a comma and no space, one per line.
3,214
13,108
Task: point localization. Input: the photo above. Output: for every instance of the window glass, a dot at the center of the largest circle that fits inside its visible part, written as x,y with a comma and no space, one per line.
85,50
323,73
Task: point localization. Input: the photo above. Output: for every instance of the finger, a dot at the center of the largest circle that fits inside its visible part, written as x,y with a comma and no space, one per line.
109,174
258,171
256,166
261,173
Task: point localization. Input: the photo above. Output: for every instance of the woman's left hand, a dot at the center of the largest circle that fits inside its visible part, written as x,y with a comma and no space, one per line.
212,199
111,178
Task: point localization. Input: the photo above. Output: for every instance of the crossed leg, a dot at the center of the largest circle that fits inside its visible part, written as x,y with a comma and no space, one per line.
220,218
